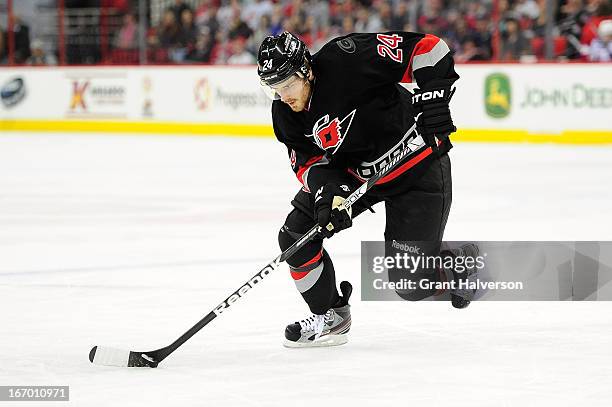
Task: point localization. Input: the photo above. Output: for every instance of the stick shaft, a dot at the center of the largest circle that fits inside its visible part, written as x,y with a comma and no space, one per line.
161,354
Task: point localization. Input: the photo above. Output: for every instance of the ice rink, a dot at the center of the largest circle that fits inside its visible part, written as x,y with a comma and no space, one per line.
127,241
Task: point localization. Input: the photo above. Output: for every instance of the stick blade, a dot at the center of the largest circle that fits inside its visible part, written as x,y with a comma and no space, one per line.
106,356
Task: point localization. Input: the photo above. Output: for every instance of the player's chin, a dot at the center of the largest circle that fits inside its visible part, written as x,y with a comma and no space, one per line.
296,107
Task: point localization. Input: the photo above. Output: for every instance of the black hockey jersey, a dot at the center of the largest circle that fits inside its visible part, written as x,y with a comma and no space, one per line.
358,114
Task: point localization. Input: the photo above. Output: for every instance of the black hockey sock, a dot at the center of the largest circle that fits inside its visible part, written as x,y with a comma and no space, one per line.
316,281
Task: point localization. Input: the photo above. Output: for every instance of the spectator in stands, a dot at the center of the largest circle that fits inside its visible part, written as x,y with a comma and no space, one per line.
202,12
184,37
514,44
167,39
127,37
539,24
240,55
3,49
601,48
291,24
261,31
276,21
460,33
21,35
222,49
593,7
203,47
308,30
206,19
503,8
432,20
452,18
469,52
527,8
39,56
188,30
82,40
226,11
599,10
367,22
400,18
483,38
237,27
178,8
322,37
168,30
295,8
320,12
384,15
573,20
254,11
348,26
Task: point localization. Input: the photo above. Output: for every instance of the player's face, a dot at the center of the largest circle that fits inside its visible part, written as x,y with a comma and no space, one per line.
295,92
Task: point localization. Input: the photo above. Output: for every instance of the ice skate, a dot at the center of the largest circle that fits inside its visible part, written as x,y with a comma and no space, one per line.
329,329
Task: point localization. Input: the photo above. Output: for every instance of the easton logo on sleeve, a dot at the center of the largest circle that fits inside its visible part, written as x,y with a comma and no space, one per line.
330,134
424,96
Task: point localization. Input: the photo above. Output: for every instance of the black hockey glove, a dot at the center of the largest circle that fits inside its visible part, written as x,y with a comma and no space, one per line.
331,215
435,121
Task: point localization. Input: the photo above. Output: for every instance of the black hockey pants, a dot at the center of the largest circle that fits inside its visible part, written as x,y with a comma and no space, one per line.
418,215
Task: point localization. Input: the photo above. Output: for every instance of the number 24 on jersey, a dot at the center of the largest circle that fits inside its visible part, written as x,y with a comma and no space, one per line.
388,47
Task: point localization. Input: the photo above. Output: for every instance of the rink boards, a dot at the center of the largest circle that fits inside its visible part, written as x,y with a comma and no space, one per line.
562,103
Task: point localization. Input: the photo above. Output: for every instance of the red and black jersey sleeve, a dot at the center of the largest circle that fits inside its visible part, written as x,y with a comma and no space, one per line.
312,166
370,60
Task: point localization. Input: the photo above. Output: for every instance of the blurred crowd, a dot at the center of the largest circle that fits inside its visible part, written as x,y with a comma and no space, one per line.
230,31
577,29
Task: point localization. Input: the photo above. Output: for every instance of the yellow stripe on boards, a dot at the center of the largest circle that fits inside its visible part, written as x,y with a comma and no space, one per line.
524,136
262,130
200,129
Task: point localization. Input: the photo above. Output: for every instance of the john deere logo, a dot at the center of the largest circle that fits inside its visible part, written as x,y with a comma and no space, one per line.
498,95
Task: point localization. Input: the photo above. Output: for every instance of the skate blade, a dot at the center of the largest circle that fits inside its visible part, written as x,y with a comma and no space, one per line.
327,340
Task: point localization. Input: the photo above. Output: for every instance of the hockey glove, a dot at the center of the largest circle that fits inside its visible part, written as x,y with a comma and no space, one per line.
435,121
330,212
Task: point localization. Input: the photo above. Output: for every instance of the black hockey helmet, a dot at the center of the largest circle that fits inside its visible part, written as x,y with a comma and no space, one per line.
280,57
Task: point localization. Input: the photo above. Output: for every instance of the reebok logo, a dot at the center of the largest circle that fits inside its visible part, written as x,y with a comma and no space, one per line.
407,248
229,301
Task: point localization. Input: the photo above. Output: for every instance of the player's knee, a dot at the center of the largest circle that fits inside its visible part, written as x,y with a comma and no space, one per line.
285,240
295,226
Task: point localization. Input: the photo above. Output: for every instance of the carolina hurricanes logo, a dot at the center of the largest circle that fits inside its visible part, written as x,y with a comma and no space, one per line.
330,135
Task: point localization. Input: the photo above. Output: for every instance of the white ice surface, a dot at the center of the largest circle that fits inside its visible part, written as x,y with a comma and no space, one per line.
126,241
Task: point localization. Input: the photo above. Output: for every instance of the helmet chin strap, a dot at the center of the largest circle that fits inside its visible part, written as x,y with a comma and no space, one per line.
310,92
310,82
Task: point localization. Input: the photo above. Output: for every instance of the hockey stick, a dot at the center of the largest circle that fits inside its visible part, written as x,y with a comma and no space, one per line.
124,358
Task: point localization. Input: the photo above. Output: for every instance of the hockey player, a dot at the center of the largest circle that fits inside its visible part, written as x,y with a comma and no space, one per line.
342,115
